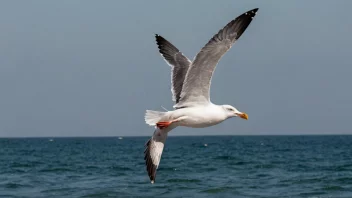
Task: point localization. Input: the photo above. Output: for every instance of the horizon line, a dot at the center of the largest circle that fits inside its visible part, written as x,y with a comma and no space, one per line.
135,136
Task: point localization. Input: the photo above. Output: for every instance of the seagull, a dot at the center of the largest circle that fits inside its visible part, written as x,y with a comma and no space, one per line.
191,89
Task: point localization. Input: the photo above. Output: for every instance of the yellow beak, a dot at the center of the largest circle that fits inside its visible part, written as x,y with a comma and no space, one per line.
243,115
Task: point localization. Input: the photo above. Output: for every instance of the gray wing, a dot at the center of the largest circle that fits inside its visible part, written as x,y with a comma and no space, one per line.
196,86
178,62
152,153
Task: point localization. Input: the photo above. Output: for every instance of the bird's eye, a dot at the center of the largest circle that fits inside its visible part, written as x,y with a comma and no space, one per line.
230,109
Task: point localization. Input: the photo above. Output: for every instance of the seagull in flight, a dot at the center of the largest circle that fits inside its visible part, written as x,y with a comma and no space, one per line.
190,89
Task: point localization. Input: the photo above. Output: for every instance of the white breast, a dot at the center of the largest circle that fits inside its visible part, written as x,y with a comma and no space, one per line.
200,116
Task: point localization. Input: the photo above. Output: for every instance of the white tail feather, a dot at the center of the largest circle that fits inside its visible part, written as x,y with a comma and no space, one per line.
152,117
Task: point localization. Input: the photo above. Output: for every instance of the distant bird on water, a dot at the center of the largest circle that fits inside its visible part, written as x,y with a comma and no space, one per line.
190,89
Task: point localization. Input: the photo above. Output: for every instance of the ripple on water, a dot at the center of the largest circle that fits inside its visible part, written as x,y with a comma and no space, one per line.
24,164
312,194
260,175
120,168
239,163
224,157
306,181
91,167
56,190
209,169
167,169
184,180
12,171
101,195
265,166
345,180
12,185
333,188
55,169
217,190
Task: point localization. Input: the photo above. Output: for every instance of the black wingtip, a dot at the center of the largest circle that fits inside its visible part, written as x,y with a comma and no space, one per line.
252,12
159,39
150,167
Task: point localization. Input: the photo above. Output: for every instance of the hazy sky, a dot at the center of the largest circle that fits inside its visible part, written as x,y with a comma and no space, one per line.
92,68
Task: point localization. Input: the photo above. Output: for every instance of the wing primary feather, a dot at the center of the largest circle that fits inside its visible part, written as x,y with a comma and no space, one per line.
179,65
153,151
196,86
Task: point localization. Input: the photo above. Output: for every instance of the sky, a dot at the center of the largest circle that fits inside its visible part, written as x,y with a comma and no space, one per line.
92,68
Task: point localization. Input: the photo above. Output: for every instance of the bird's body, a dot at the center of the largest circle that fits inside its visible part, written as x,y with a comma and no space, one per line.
191,89
197,116
201,116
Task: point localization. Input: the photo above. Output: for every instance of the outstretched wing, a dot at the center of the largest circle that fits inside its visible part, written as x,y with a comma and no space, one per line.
196,86
178,62
152,153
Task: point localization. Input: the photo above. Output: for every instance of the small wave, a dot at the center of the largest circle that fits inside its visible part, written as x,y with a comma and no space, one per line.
120,168
8,196
217,190
73,176
167,169
260,175
283,150
223,157
25,165
337,168
20,165
239,163
12,171
346,167
345,180
184,180
312,194
253,187
264,166
56,190
101,194
177,157
185,187
12,185
48,170
278,162
304,181
209,169
333,188
91,167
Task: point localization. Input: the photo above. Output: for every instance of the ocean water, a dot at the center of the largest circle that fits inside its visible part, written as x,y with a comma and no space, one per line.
210,166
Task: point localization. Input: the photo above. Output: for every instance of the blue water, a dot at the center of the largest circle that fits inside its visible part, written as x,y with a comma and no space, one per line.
229,166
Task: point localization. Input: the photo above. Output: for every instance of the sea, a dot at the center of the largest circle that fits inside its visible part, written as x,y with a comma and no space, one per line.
191,166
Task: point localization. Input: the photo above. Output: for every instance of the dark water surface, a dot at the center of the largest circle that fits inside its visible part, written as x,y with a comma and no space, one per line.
227,166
